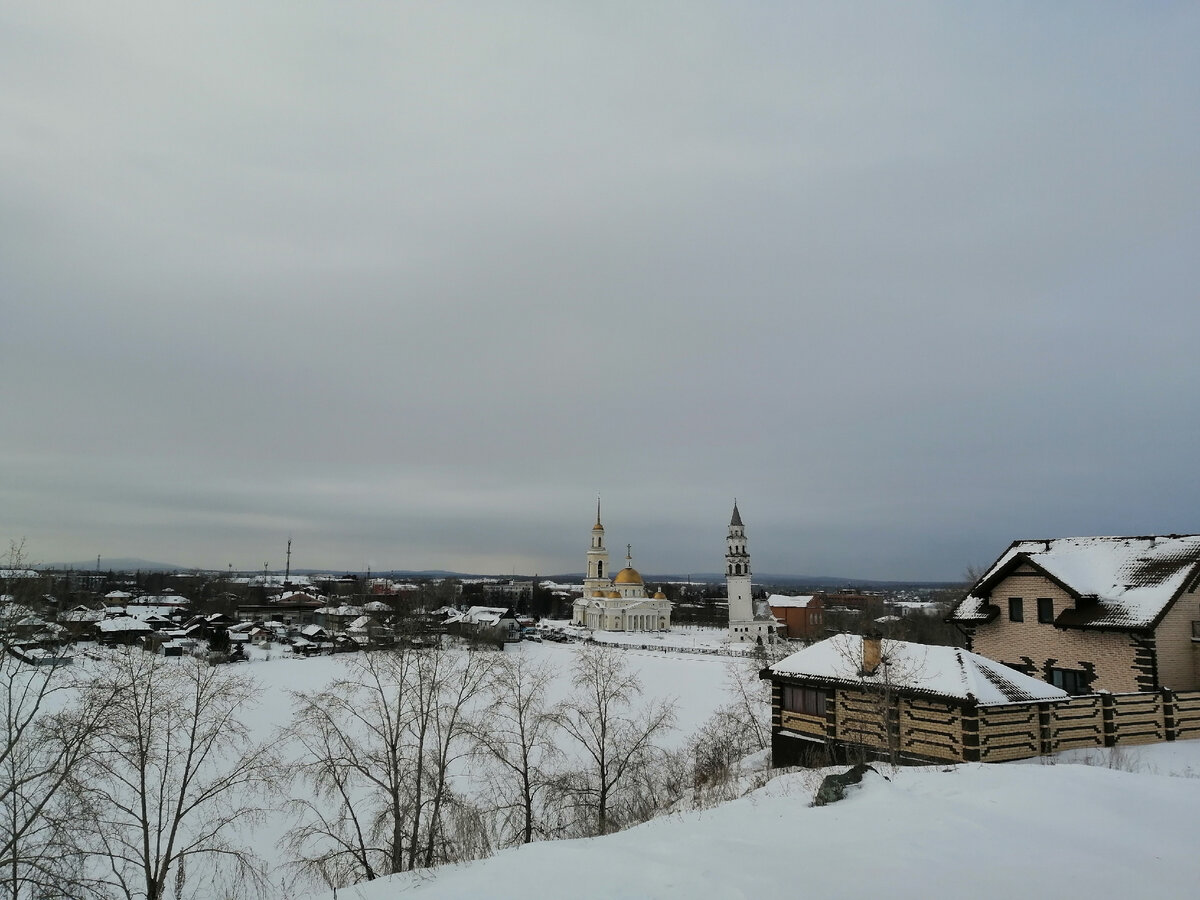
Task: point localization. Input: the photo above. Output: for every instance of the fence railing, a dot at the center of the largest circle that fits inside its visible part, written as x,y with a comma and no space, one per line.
1020,730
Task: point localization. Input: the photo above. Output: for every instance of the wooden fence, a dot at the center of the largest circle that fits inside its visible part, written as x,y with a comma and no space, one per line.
1021,730
929,730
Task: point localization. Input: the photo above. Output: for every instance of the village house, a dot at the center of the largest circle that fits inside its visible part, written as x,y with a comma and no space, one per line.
80,621
1088,614
851,695
495,621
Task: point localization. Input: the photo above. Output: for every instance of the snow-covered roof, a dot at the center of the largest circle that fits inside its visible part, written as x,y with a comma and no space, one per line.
484,615
947,672
483,618
782,602
1120,582
147,611
81,614
343,610
123,623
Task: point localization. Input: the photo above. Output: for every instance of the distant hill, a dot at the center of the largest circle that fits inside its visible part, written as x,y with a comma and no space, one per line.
794,582
124,564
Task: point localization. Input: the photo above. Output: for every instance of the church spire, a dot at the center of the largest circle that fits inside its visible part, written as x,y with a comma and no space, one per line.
597,559
737,516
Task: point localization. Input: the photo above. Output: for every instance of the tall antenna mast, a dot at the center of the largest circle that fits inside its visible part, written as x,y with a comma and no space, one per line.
287,572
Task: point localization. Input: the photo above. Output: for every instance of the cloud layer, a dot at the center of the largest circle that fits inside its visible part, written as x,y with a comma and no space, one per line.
411,283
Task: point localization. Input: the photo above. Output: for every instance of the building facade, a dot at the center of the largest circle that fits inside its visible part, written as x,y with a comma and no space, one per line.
1090,614
617,602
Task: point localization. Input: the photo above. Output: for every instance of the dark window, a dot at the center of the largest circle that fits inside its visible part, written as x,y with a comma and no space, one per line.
1070,680
600,569
804,700
1045,609
1016,609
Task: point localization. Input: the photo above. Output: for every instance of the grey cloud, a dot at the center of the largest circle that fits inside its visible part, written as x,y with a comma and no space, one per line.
415,282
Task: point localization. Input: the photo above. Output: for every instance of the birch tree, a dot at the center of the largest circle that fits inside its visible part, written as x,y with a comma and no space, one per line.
355,759
172,776
518,739
379,749
47,733
615,730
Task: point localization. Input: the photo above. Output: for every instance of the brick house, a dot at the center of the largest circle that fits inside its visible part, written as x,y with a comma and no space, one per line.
1087,614
801,617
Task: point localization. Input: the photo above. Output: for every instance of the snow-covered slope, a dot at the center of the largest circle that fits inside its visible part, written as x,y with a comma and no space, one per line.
1029,831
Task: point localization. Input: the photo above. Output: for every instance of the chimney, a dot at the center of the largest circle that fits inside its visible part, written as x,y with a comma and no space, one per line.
872,649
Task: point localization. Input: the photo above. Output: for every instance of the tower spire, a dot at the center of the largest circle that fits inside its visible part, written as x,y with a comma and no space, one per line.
597,509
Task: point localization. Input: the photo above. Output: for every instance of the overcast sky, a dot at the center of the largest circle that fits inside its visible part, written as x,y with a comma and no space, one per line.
412,283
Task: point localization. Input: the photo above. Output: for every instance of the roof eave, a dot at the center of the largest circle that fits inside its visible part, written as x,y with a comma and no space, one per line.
1179,591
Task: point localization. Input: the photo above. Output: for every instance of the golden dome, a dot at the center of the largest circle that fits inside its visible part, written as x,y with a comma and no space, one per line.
597,527
659,595
614,595
628,575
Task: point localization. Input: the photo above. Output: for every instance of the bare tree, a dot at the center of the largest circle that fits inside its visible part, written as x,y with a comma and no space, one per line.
447,684
738,728
615,730
45,736
172,775
379,749
518,737
355,758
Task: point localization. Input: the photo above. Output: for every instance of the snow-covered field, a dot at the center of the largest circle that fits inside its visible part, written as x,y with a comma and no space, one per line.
987,832
696,684
1095,824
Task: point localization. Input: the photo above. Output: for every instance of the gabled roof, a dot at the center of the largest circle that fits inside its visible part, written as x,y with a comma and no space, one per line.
1117,582
921,669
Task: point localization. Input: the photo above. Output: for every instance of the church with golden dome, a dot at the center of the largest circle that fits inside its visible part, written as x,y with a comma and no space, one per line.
617,602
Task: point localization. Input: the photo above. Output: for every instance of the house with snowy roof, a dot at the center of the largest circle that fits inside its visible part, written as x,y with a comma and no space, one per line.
848,695
498,620
1088,614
